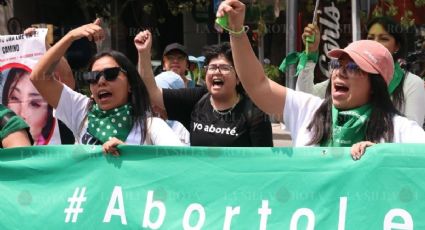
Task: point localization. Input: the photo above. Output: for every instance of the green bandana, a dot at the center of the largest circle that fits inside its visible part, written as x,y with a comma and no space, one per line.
398,76
10,122
300,58
112,123
348,127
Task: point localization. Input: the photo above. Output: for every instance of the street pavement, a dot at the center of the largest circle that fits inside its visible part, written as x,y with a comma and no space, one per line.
281,137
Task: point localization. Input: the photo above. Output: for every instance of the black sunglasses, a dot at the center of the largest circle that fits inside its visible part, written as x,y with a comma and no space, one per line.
110,74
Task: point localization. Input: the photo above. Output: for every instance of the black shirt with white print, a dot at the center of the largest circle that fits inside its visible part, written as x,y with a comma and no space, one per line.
245,125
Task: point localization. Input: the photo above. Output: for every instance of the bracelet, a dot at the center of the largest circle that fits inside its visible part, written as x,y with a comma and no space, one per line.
232,32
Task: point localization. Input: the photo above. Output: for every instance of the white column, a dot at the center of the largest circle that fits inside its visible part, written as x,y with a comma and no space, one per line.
355,20
291,39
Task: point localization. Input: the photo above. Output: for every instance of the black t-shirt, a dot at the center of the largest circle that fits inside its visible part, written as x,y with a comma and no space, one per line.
245,125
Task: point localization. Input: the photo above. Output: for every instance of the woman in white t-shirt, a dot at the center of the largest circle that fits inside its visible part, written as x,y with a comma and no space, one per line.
406,89
119,109
357,107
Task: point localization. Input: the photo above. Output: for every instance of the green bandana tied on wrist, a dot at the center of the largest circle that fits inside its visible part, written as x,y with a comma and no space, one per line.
112,123
398,76
300,58
349,126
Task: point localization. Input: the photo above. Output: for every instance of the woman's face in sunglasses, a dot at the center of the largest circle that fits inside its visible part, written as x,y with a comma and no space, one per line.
110,74
108,83
350,85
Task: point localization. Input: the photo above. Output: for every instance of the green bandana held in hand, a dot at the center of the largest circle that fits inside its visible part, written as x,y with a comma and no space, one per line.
112,123
349,126
398,76
300,58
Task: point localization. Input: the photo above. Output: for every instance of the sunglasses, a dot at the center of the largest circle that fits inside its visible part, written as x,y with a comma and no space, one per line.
110,74
350,67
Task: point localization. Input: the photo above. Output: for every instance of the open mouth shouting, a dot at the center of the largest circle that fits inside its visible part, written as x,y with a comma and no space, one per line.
104,95
340,90
217,83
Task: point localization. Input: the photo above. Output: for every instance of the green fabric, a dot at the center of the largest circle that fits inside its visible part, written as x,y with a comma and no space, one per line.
223,23
37,182
300,58
397,77
349,126
14,124
309,39
112,123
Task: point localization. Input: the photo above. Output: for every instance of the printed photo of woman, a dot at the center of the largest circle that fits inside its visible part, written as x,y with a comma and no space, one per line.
22,97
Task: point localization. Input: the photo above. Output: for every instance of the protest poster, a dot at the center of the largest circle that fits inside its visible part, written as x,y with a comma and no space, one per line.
18,56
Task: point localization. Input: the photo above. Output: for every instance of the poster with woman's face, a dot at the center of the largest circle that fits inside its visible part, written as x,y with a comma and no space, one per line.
18,54
19,95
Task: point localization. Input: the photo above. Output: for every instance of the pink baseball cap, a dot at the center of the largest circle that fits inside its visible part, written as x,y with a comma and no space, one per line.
370,56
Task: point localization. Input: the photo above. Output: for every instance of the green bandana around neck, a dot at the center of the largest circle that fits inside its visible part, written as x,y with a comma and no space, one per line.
348,126
300,59
111,123
398,76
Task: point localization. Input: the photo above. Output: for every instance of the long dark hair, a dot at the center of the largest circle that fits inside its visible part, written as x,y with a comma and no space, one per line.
222,49
138,97
399,35
12,80
380,124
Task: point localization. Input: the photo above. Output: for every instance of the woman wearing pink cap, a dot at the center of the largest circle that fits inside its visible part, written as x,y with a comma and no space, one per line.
406,89
357,110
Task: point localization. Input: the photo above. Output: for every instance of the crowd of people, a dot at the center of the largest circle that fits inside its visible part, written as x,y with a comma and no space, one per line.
368,98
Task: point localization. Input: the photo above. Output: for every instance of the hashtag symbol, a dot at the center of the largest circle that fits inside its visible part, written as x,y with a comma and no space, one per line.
75,204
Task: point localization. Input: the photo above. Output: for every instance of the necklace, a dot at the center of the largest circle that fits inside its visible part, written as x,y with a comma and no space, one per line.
226,111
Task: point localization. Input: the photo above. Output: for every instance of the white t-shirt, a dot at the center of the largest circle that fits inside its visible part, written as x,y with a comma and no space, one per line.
299,112
181,132
72,111
55,139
